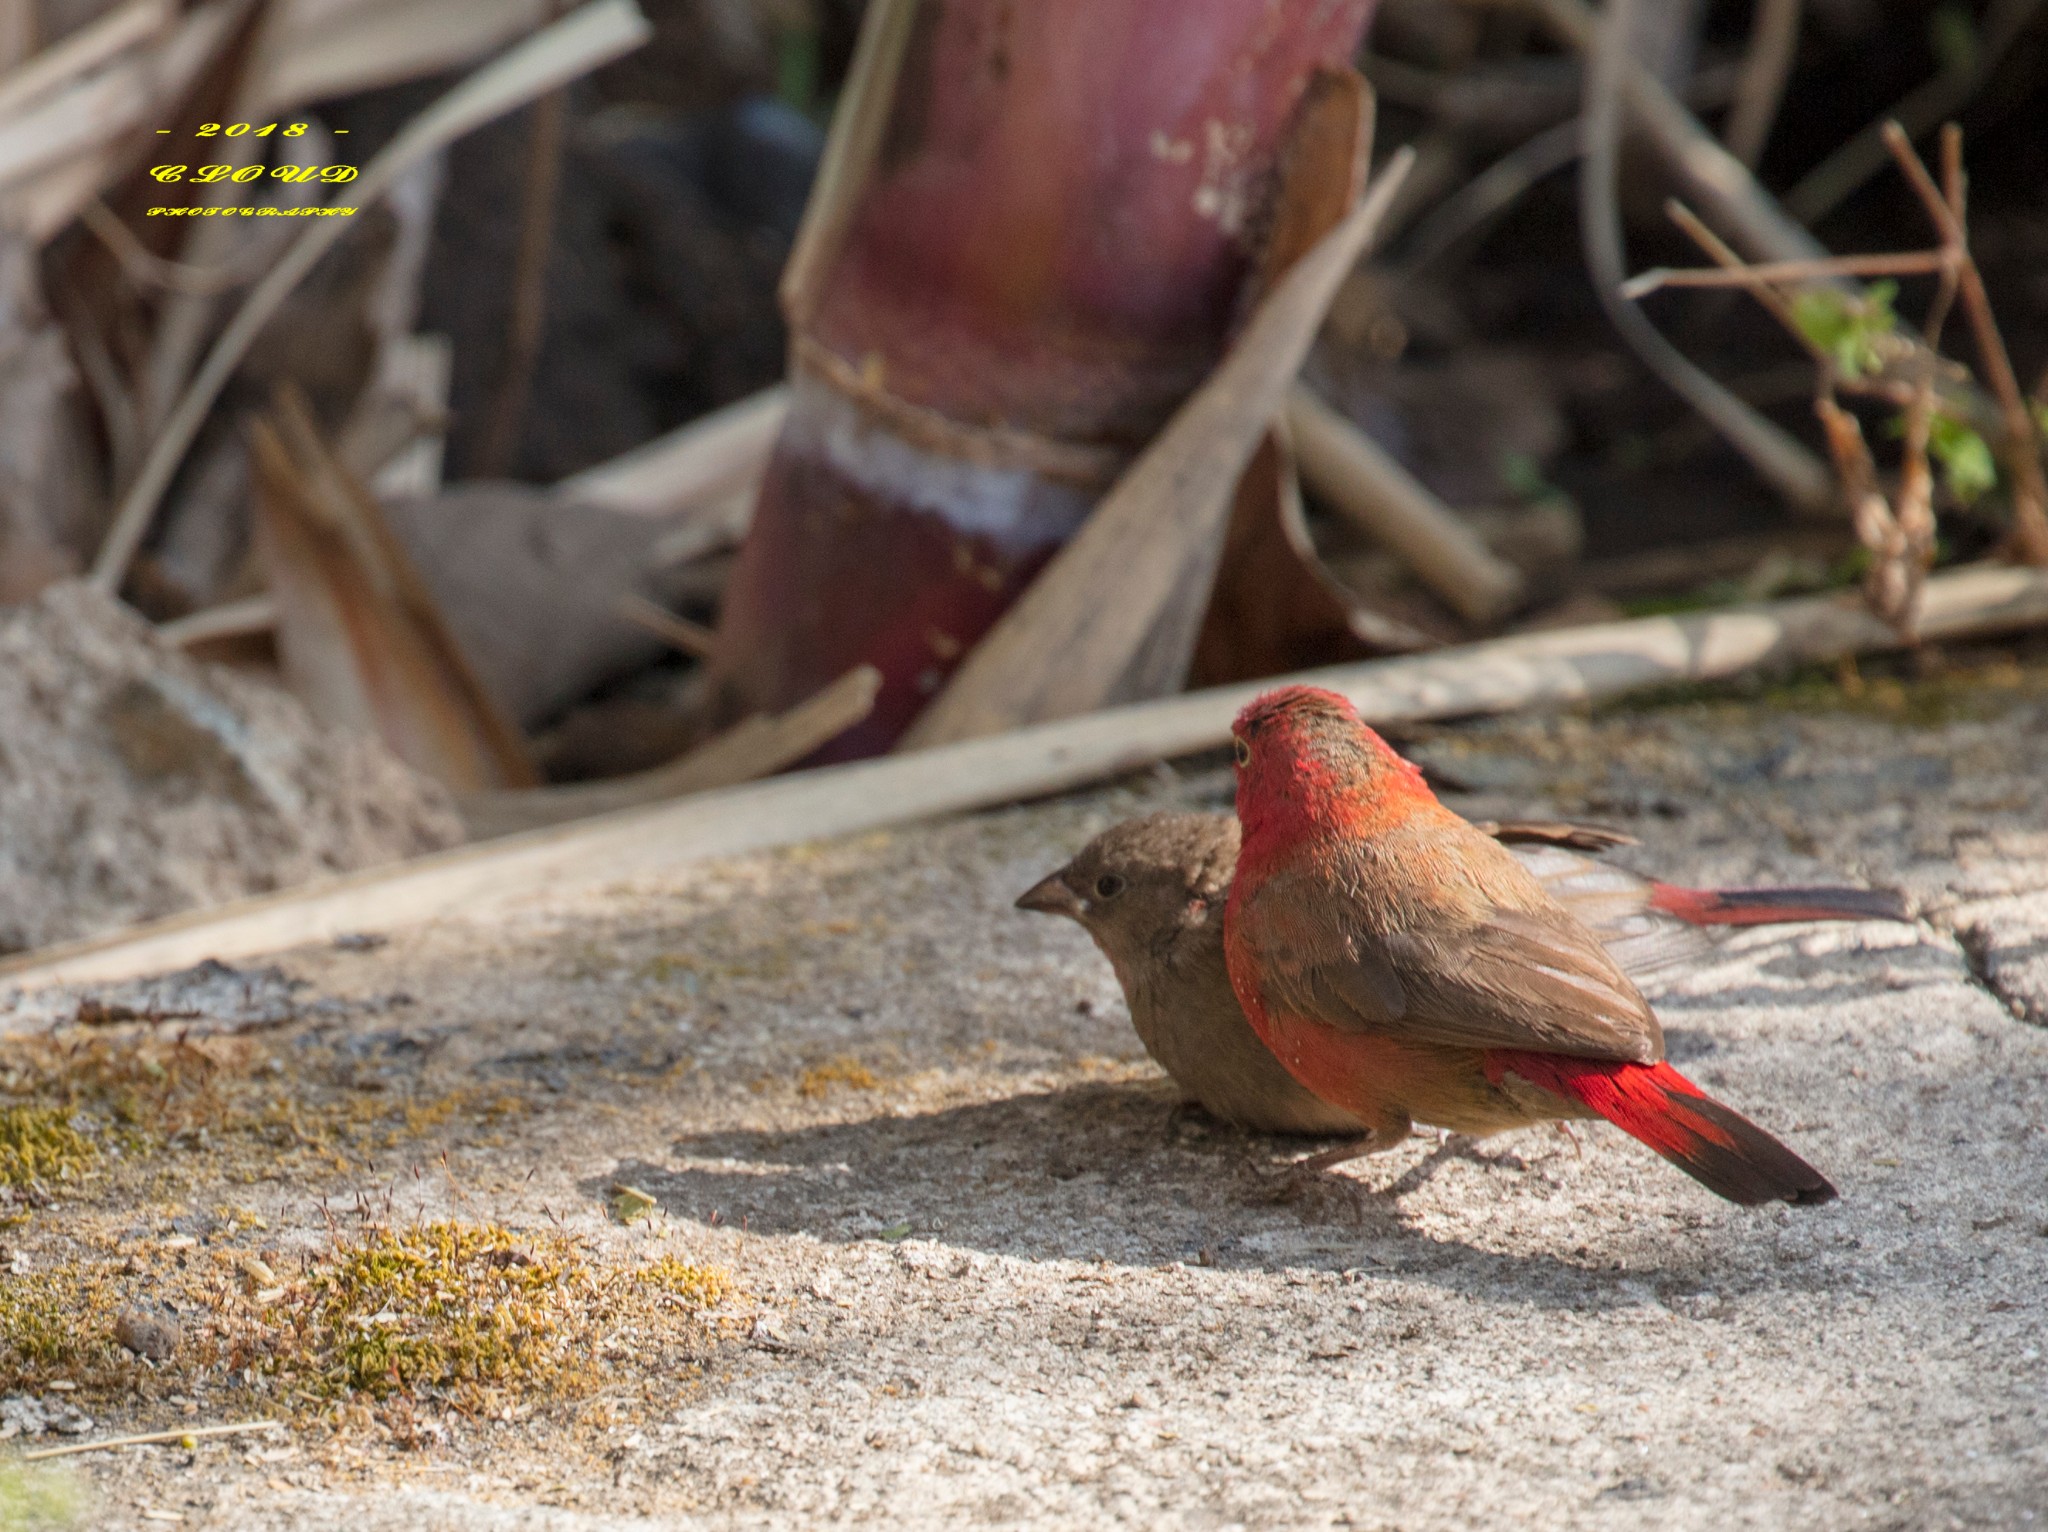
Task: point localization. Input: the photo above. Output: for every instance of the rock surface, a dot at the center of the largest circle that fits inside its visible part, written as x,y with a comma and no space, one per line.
135,782
988,1274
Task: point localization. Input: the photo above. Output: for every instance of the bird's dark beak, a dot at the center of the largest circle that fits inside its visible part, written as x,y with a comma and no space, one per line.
1051,896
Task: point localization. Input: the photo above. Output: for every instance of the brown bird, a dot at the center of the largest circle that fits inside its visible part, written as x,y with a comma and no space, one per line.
1151,893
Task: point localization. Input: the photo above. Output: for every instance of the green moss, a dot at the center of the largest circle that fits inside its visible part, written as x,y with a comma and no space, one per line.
39,1144
822,1079
443,1306
699,1287
39,1499
55,1319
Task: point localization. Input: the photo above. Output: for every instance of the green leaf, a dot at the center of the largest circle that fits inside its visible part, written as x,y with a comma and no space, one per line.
1849,327
1967,467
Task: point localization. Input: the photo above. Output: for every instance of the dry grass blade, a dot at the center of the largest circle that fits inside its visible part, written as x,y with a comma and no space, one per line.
754,747
394,437
231,619
362,640
699,464
592,36
1073,636
78,114
1905,263
336,50
152,1438
858,123
145,268
1318,177
692,638
1370,489
1564,665
84,50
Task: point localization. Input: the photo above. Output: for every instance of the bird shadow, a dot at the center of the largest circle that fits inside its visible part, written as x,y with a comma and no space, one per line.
1108,1173
1853,974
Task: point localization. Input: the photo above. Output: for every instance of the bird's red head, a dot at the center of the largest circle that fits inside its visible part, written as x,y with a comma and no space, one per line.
1305,760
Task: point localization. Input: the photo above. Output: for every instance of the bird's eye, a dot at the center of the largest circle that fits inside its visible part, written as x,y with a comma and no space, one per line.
1108,886
1242,750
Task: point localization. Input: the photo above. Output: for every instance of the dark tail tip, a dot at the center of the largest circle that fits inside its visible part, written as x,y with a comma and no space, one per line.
1769,906
1732,1157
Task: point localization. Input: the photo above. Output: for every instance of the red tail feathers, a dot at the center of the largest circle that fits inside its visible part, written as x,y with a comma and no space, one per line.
1766,906
1726,1153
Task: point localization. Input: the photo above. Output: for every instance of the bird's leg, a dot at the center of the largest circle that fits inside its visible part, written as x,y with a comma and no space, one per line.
1384,1136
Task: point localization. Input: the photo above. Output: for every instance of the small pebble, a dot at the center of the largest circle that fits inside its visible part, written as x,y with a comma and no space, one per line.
147,1334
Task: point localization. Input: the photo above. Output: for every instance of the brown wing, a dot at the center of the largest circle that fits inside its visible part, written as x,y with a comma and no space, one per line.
1553,832
1530,977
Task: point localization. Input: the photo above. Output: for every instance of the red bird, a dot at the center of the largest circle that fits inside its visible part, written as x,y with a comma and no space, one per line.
1151,893
1405,967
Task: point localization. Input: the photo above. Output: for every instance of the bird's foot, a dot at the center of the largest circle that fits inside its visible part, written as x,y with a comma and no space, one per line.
1340,1154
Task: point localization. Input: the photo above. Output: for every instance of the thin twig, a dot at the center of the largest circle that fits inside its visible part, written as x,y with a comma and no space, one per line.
1712,177
231,619
754,747
2023,442
1918,359
529,286
111,392
1714,180
145,268
1476,204
1723,254
151,1438
1952,191
1913,511
1773,452
186,316
693,638
1910,263
1830,183
1761,86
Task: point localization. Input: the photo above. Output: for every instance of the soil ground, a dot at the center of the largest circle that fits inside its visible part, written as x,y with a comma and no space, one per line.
982,1269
